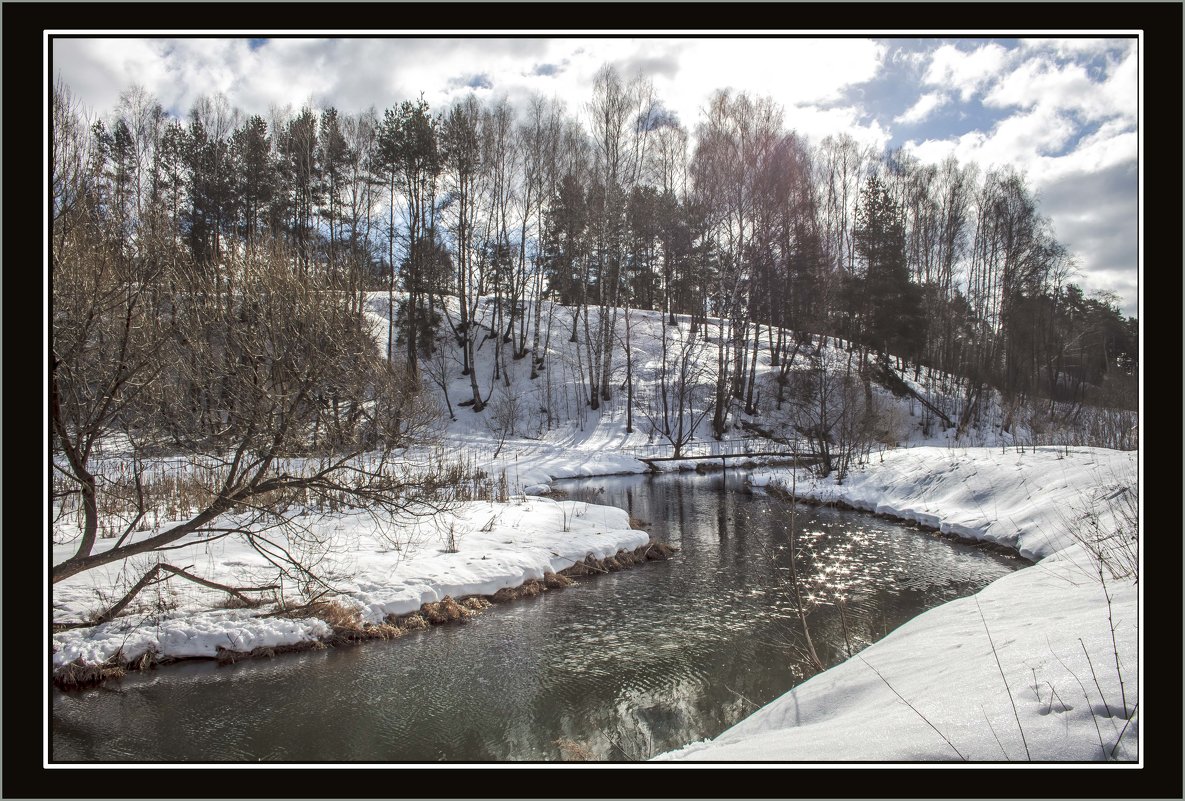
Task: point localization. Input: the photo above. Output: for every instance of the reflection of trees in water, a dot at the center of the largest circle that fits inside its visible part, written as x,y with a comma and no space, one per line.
641,661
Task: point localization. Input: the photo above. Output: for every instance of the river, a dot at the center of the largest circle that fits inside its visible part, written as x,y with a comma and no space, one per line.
618,667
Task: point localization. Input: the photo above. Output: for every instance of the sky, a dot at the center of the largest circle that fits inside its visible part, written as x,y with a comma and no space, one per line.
1065,111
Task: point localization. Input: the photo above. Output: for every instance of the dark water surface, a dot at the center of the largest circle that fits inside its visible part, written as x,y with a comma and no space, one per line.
619,666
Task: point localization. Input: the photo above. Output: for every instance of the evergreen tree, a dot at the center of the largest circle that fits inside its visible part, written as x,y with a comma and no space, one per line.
888,302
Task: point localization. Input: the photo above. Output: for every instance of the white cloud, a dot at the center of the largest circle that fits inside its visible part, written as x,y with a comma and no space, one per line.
1088,192
793,72
355,73
97,70
1068,48
965,71
922,109
1105,149
815,123
1020,140
1041,82
1121,90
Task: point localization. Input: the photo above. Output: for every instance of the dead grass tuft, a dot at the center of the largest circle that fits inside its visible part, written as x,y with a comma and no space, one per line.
347,624
234,602
556,581
79,676
335,613
227,656
446,610
475,603
658,550
412,621
578,569
148,660
528,589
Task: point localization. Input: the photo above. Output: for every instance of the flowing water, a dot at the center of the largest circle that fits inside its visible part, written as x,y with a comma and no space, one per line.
619,667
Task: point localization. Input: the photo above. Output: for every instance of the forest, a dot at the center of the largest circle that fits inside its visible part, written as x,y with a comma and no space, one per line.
209,275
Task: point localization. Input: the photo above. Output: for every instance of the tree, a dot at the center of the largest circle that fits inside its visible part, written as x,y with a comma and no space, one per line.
460,144
255,173
333,157
301,412
736,144
414,157
889,302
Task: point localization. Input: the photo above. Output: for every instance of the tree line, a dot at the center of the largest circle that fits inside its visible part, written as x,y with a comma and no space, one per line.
610,208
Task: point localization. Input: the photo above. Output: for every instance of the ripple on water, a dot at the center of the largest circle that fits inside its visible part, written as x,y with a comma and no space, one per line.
645,659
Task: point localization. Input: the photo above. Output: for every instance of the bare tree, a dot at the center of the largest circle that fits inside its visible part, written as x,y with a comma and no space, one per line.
274,390
680,391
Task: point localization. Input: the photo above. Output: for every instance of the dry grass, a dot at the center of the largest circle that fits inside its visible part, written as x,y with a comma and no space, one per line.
412,621
528,589
475,603
234,602
79,676
556,581
348,626
226,656
347,623
655,550
446,610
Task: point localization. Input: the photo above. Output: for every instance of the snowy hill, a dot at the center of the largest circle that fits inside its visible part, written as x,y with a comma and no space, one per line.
539,429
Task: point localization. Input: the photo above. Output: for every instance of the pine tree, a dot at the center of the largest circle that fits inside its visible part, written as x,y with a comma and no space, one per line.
888,302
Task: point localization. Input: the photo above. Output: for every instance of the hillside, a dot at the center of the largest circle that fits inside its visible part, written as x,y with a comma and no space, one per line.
541,429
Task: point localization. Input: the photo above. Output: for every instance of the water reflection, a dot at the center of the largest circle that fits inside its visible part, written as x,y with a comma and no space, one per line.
619,666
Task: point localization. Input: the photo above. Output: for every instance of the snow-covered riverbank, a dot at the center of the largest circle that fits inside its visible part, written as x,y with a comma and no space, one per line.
1026,669
477,549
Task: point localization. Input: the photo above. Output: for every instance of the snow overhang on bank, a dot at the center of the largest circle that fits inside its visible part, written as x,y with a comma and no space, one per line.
476,549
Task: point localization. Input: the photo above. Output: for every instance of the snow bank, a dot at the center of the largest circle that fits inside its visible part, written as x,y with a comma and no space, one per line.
936,678
183,635
475,550
1029,500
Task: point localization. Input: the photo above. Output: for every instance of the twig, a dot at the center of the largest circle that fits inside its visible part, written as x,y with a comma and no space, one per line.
1053,695
1114,644
911,706
993,731
1122,731
741,696
1102,697
1006,687
1085,694
843,622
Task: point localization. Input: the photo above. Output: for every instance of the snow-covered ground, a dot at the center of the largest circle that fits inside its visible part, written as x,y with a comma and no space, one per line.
536,431
1025,669
493,545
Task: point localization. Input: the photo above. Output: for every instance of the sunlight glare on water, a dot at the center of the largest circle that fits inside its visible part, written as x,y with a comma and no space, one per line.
618,667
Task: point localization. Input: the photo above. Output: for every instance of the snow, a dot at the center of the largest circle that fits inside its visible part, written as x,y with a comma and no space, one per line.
1043,620
497,545
184,635
1048,625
